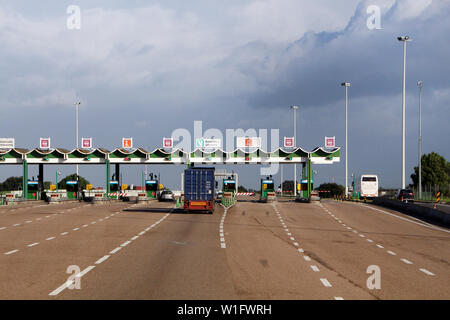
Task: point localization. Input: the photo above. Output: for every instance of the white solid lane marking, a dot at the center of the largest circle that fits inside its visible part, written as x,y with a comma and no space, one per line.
33,244
11,252
409,220
427,272
82,273
315,268
115,250
406,261
141,233
325,282
391,253
61,288
134,238
307,258
102,259
51,238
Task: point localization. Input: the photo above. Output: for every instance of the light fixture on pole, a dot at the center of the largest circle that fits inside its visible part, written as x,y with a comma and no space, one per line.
403,39
419,84
346,85
295,145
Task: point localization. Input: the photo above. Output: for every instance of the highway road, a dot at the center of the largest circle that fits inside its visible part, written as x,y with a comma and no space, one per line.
281,250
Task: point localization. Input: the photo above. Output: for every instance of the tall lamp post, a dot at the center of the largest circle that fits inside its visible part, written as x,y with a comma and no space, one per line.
57,173
77,104
346,85
295,145
403,39
420,83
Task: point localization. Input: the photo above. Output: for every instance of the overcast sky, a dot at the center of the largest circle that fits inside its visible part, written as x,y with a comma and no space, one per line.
145,68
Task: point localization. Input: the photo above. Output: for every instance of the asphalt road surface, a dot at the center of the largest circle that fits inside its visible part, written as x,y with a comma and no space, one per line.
281,250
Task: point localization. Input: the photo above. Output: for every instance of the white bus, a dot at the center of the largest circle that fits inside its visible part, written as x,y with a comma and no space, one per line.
368,186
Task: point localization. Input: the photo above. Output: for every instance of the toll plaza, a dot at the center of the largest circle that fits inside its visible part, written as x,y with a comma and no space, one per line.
139,156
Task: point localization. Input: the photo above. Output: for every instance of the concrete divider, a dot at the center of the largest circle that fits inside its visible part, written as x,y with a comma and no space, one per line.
430,215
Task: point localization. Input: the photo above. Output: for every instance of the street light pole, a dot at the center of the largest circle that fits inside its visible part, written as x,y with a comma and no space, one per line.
76,129
295,145
420,83
404,40
346,85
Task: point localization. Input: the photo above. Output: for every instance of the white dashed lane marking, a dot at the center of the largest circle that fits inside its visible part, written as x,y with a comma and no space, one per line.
102,259
33,244
406,261
315,268
427,272
325,282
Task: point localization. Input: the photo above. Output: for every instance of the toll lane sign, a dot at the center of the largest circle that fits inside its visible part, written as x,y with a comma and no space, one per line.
127,143
44,143
330,142
168,143
86,143
248,142
7,143
288,142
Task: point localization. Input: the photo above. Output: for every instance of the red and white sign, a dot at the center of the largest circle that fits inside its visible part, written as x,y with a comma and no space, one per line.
289,142
248,142
168,143
127,143
86,143
44,143
330,142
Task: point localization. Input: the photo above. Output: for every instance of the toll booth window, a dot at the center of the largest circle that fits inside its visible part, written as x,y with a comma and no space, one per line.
33,186
269,186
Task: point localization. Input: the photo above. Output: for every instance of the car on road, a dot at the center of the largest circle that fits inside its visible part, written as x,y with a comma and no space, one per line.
405,195
166,195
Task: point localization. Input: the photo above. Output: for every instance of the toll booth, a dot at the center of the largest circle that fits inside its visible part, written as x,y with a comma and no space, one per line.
113,186
304,188
72,189
229,185
151,188
33,190
267,190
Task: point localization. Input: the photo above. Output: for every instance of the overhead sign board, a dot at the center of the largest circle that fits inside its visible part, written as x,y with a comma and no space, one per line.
208,143
330,142
289,142
7,143
248,142
86,143
127,143
168,143
44,143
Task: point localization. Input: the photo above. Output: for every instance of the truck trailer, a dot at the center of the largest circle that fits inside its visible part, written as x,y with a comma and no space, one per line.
199,189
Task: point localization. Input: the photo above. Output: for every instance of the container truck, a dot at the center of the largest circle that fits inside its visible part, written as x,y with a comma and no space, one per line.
199,189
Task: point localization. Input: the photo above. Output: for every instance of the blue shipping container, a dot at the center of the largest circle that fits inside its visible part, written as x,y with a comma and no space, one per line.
199,184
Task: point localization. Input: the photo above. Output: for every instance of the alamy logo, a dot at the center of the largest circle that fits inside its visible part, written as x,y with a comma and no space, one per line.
374,20
74,20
